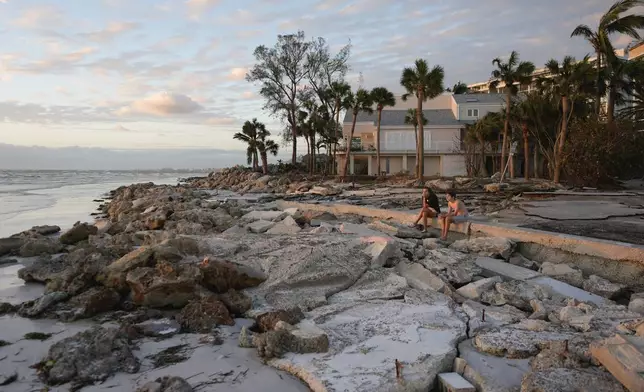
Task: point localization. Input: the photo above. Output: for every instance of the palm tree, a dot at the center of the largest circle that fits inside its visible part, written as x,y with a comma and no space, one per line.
249,135
424,84
338,91
381,97
613,21
458,88
568,80
358,102
411,118
484,131
623,77
509,73
266,147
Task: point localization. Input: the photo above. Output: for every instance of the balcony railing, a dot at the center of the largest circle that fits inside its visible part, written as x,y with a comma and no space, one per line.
434,148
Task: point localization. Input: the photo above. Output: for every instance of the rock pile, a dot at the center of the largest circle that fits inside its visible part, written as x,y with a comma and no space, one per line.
334,300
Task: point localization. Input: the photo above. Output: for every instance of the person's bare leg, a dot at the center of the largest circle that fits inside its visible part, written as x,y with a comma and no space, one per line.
418,218
442,222
425,215
448,222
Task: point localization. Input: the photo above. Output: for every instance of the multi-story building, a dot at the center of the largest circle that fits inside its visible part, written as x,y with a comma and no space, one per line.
446,117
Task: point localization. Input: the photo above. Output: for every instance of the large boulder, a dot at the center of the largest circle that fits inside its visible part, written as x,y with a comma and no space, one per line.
202,315
486,246
600,286
40,246
88,357
305,338
166,285
440,184
79,232
221,276
10,245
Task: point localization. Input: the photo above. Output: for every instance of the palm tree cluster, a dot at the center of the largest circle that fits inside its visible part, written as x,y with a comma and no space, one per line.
572,90
255,135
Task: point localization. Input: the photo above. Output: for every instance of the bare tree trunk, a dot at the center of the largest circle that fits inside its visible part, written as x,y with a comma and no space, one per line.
313,154
294,136
526,153
416,140
337,124
378,142
598,98
348,152
561,140
535,162
264,162
421,136
483,170
506,127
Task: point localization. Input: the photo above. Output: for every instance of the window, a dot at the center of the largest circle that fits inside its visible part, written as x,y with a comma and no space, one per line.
472,112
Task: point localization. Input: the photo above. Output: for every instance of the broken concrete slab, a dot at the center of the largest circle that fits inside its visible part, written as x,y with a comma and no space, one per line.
260,226
494,267
563,272
454,382
571,380
381,250
256,215
483,317
377,283
421,278
475,289
486,246
365,339
489,373
579,210
623,356
515,343
603,287
558,288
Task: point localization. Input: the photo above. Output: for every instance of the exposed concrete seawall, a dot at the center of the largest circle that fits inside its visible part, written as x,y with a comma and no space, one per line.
591,255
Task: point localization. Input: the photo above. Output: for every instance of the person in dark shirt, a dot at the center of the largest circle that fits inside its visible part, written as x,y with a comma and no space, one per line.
430,209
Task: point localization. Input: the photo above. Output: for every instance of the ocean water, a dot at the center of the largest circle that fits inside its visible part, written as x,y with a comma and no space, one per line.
32,198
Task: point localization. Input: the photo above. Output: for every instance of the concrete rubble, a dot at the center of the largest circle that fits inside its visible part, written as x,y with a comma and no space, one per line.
180,285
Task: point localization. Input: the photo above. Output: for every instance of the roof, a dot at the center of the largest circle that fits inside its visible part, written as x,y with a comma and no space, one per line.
484,99
397,117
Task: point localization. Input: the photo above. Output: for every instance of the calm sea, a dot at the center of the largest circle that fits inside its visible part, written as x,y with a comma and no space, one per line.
31,198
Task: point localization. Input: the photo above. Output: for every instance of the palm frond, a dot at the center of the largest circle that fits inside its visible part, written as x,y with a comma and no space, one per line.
583,31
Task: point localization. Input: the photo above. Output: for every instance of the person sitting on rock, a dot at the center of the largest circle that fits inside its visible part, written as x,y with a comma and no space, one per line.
430,208
456,213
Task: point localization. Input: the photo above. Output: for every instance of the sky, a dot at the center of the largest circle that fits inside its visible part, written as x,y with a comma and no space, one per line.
165,79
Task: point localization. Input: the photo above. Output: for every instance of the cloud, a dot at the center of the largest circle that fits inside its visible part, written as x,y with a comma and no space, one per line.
39,16
221,121
54,63
162,104
237,73
198,7
113,30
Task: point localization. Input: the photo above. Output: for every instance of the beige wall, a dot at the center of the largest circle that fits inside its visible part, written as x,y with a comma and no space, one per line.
443,101
360,129
453,165
432,166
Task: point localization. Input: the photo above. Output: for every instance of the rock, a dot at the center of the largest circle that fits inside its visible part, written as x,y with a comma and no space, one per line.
483,317
267,321
310,216
202,315
570,380
584,317
245,339
520,294
282,228
515,343
44,230
166,384
41,304
605,288
374,284
554,356
433,243
381,251
260,226
270,216
10,245
372,334
636,305
564,273
192,228
518,259
237,302
220,275
79,232
89,356
305,338
217,219
156,222
475,289
162,328
165,285
486,246
322,191
494,187
440,184
6,308
95,301
40,246
421,278
492,374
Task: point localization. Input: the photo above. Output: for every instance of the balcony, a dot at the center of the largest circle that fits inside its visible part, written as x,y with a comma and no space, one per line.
440,147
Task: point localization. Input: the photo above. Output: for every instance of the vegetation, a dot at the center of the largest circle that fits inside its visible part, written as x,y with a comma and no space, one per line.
510,74
361,101
563,131
381,97
424,84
